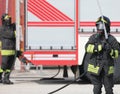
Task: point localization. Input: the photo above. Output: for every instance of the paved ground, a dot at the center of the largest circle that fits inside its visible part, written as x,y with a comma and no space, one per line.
32,82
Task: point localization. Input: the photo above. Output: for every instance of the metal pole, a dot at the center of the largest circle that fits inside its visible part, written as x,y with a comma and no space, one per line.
6,11
17,24
106,35
26,20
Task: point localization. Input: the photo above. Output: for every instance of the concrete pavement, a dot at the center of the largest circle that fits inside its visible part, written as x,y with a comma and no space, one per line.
32,82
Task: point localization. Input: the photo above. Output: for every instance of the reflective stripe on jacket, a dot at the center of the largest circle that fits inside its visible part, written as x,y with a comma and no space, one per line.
114,53
7,52
1,70
91,48
96,69
93,69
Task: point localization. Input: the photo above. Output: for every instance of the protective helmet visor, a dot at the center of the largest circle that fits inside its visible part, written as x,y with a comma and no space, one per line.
100,26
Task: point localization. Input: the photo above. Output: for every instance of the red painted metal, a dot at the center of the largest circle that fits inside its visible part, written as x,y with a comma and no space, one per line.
51,62
2,8
45,11
91,24
11,9
51,16
52,24
55,16
69,24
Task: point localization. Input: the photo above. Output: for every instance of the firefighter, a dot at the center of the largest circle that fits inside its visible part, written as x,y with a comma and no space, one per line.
100,66
8,42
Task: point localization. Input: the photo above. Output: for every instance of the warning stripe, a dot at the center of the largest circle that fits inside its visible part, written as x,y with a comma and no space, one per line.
45,11
42,11
51,16
69,24
35,10
56,12
115,24
60,24
87,23
50,11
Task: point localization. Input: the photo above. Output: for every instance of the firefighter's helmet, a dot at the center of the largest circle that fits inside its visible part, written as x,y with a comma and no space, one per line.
6,19
103,23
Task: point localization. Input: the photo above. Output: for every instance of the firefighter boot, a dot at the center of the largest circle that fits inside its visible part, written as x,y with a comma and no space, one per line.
1,77
6,78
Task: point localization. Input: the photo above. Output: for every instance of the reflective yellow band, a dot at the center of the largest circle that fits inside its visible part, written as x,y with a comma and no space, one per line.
7,70
111,70
103,20
111,53
0,43
99,47
90,48
7,52
1,70
93,69
114,53
7,17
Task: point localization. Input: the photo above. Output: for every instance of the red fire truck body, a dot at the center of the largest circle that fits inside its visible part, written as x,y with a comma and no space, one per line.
54,32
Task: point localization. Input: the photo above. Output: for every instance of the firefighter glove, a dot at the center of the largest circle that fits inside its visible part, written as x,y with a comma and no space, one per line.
19,53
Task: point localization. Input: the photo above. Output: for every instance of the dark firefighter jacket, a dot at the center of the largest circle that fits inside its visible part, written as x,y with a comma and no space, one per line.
7,40
102,53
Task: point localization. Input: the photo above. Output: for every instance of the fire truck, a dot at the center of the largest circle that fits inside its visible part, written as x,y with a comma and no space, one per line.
54,32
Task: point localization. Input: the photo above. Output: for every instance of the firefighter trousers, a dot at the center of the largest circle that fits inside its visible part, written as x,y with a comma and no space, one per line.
8,62
100,80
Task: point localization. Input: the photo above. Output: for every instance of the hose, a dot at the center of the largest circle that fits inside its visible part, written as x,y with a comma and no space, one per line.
77,79
55,74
